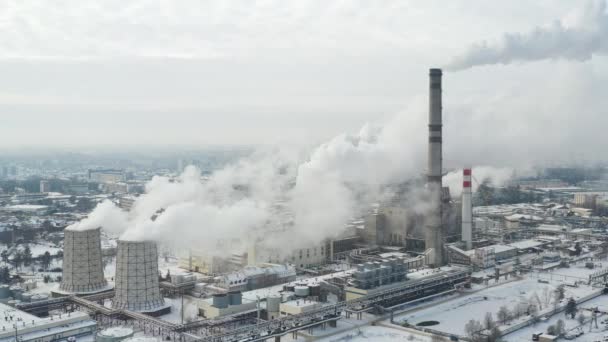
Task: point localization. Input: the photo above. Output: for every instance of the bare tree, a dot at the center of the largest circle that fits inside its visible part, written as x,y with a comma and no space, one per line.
533,311
494,335
536,299
560,328
473,329
559,293
581,318
503,314
488,321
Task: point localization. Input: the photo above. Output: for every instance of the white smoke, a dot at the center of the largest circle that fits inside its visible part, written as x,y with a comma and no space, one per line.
106,215
320,190
580,36
495,175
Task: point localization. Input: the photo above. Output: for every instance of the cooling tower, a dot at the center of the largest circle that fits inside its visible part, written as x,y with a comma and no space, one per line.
82,265
136,280
467,209
434,231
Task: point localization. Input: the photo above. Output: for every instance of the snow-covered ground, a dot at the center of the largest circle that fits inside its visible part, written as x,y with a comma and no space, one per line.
377,333
454,314
596,334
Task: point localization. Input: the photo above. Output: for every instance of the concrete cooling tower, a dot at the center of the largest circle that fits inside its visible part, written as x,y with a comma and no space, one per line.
82,265
136,280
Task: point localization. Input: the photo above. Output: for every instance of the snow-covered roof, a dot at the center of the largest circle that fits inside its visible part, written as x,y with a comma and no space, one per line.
525,244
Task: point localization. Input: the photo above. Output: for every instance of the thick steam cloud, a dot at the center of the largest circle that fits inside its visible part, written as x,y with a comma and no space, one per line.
105,214
497,177
298,197
585,36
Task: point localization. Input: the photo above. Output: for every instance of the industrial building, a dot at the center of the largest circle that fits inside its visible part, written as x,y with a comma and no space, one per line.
22,326
225,304
106,175
255,277
82,263
136,283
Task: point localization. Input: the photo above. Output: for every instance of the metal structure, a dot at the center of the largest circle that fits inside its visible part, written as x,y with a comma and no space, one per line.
137,287
82,264
467,209
239,327
434,226
293,323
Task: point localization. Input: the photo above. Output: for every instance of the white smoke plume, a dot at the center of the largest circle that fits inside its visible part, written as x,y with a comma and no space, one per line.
106,215
497,177
578,37
320,190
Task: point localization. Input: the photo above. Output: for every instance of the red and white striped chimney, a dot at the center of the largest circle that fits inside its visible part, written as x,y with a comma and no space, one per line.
467,209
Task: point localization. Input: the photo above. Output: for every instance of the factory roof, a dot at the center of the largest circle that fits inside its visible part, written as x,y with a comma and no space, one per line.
499,248
25,207
517,217
251,271
525,244
301,303
117,331
31,327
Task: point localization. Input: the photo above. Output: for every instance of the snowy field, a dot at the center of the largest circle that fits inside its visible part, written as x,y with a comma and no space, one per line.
598,334
453,315
376,333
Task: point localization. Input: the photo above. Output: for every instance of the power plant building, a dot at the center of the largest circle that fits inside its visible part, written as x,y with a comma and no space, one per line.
82,262
137,287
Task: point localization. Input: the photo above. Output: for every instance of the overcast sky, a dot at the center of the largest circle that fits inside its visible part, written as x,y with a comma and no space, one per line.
153,72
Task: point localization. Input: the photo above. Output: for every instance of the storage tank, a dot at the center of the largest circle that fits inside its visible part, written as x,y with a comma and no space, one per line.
235,297
287,296
302,291
220,300
5,291
200,287
142,339
177,279
82,264
136,281
315,290
114,334
38,297
16,292
14,302
273,303
26,297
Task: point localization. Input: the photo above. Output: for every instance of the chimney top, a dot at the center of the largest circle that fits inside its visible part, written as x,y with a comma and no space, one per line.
435,72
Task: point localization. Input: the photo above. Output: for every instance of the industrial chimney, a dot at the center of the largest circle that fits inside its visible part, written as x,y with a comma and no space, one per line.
434,231
82,265
137,287
467,209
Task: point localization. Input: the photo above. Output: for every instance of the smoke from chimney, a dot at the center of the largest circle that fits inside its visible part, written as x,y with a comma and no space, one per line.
579,41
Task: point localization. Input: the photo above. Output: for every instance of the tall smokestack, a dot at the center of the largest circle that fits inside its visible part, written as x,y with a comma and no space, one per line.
467,209
434,233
